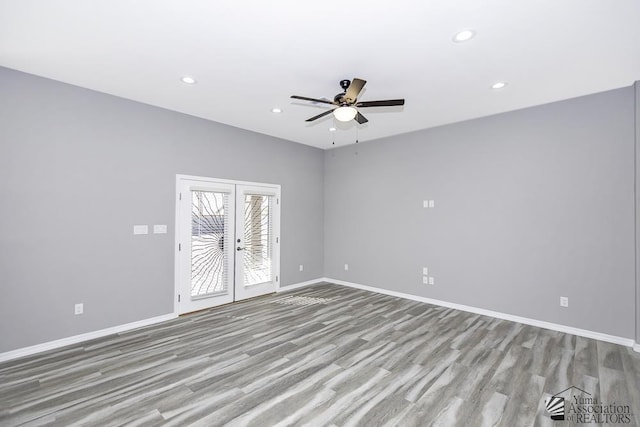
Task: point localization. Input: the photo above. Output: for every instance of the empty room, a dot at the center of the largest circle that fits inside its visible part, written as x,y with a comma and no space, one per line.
337,214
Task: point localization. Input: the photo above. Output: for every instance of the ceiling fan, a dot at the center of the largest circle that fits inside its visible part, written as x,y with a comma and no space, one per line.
346,103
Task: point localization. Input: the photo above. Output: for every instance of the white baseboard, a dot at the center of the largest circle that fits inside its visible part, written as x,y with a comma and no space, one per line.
533,322
39,348
27,351
300,285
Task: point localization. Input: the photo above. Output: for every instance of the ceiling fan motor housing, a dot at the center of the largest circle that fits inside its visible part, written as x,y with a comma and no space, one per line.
344,84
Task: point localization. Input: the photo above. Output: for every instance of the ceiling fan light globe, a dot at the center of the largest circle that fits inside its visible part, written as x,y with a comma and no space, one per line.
345,114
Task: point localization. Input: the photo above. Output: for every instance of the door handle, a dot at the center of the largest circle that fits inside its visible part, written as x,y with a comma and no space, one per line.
239,248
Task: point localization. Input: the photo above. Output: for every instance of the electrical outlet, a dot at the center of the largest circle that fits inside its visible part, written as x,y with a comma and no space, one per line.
346,267
301,267
432,281
432,203
564,301
78,309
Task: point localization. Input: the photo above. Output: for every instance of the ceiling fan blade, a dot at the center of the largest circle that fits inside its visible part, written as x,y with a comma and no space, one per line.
304,98
319,116
385,103
360,118
354,90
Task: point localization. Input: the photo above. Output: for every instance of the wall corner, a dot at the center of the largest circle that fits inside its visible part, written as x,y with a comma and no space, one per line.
636,101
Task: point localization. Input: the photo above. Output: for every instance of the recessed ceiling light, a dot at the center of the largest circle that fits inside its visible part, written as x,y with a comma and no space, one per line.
332,129
498,85
188,80
276,110
464,36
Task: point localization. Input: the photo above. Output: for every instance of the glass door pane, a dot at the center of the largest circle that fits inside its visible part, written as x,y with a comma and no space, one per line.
258,235
209,237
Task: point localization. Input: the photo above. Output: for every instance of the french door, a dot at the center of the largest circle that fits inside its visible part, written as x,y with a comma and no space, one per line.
228,244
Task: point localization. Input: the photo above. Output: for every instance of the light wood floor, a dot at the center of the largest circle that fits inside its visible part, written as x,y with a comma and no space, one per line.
321,355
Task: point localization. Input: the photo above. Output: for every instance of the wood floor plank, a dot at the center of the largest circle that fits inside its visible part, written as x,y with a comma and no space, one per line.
631,365
318,356
492,412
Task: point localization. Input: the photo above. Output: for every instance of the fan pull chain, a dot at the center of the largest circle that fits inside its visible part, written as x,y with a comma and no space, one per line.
357,134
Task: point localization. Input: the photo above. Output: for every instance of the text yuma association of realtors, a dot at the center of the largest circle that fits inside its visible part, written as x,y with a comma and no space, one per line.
589,410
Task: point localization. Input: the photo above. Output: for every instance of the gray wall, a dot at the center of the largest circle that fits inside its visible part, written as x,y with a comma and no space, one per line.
529,206
78,168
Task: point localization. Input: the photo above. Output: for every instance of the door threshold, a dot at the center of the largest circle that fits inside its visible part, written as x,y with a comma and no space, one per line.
226,304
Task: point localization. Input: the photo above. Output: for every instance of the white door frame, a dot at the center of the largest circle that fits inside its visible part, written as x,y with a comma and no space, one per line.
208,180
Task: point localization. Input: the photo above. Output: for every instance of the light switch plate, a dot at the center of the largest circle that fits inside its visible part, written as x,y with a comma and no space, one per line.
432,203
140,229
425,271
425,203
432,280
160,229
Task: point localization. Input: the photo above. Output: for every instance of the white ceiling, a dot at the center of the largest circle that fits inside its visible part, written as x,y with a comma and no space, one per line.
249,56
